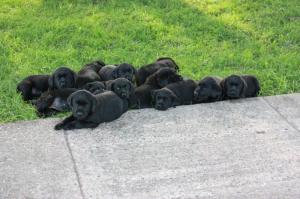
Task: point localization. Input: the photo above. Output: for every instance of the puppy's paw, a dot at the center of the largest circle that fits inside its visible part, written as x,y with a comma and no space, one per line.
58,126
69,126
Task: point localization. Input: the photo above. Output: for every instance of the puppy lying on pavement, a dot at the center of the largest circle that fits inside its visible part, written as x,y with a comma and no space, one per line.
89,110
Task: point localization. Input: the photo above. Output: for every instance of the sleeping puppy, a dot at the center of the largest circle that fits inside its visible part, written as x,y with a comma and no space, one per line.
33,86
63,77
157,80
178,93
123,88
111,72
89,73
89,110
95,87
235,86
145,71
208,90
53,101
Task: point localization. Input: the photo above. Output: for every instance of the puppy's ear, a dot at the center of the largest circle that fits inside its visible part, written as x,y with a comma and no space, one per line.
110,85
177,78
134,70
223,87
175,100
51,82
131,88
244,87
115,73
74,75
257,87
70,100
153,94
93,103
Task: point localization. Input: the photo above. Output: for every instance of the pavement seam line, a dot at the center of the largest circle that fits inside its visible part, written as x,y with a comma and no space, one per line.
282,116
74,164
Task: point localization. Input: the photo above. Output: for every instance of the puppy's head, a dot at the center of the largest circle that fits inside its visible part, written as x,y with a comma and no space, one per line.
208,90
124,70
165,76
95,65
168,62
63,77
82,104
233,87
122,87
163,99
95,87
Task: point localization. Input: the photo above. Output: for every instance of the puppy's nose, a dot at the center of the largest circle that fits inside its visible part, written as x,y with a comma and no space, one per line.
123,95
79,113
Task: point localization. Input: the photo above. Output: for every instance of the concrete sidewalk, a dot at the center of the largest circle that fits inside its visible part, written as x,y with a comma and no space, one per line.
233,149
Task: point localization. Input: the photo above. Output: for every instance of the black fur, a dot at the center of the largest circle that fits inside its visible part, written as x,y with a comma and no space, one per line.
178,93
123,88
159,79
111,72
145,71
208,90
33,86
62,78
235,86
89,110
95,87
89,73
53,101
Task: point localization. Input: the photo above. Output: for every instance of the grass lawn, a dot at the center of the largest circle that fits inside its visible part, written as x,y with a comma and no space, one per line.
205,37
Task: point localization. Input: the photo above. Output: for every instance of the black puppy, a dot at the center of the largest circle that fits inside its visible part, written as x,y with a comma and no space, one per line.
33,86
53,101
123,88
63,77
89,73
111,72
208,90
95,87
89,110
159,79
235,86
145,71
178,93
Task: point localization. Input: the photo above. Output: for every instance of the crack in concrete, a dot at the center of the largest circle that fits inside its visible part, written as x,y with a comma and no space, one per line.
281,115
74,164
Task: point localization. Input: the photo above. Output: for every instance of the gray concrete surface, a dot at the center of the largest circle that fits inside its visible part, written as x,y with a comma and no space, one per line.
233,149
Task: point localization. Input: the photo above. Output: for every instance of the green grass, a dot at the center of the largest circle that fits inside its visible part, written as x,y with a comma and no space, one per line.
205,37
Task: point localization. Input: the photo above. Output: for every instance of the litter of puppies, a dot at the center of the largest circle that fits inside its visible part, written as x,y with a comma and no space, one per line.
102,92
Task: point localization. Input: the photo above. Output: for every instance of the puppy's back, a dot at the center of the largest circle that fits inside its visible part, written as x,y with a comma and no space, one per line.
109,106
184,90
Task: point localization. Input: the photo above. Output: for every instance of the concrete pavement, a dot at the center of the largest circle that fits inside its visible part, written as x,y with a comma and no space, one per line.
246,148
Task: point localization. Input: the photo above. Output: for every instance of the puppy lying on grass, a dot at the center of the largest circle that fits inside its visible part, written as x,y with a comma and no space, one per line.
89,110
157,80
208,90
110,72
235,87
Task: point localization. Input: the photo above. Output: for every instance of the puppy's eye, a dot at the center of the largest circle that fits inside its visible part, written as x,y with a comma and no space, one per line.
118,88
